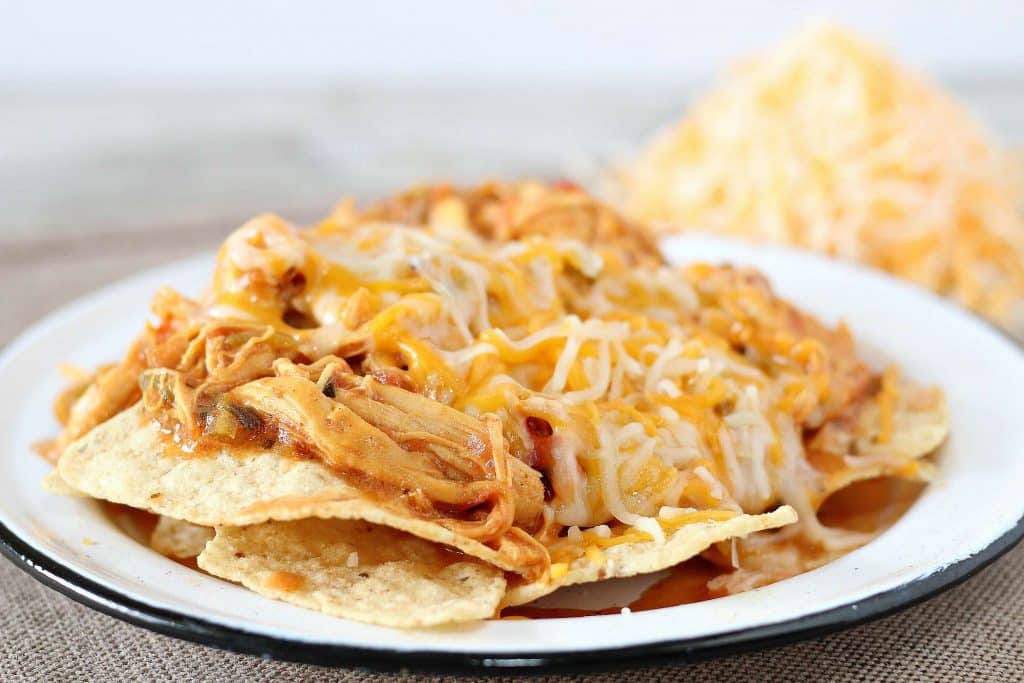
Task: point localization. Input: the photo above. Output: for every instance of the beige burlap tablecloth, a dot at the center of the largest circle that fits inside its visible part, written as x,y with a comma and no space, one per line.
974,632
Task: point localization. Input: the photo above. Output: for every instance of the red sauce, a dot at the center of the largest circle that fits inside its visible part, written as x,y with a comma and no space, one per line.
870,505
285,582
685,584
189,562
138,524
540,457
252,431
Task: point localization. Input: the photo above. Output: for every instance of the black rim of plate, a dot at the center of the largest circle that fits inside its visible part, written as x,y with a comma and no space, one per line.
168,622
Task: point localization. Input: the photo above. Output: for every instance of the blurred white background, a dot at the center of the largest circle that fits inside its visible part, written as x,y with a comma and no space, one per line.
258,42
120,115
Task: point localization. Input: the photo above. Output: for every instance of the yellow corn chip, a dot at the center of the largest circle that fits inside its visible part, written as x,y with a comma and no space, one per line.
356,570
645,557
179,540
124,461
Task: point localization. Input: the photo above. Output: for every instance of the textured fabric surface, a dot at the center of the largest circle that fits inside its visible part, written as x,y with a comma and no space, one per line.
974,632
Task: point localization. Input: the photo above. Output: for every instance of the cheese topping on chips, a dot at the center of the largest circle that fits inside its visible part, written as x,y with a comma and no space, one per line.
514,365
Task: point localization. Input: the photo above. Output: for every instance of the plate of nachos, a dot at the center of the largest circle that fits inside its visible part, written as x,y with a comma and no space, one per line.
503,426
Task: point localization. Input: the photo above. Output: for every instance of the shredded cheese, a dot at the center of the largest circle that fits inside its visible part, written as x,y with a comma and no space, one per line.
886,403
827,143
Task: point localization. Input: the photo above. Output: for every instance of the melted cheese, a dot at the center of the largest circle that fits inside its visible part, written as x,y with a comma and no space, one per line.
645,407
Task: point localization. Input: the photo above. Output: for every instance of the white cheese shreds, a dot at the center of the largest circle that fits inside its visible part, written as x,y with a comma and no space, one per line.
669,512
651,526
717,490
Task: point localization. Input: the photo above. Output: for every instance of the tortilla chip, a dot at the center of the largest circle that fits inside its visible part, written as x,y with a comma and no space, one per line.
123,461
325,508
920,423
629,559
55,484
179,540
356,570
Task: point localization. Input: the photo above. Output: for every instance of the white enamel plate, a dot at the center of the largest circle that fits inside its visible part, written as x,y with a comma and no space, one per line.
967,518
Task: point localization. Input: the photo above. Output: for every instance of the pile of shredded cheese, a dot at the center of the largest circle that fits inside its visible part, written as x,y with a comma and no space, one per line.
828,144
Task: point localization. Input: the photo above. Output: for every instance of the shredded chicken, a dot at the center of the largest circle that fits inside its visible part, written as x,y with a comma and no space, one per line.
503,212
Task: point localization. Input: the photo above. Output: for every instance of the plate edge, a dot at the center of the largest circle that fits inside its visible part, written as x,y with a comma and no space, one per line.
52,574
